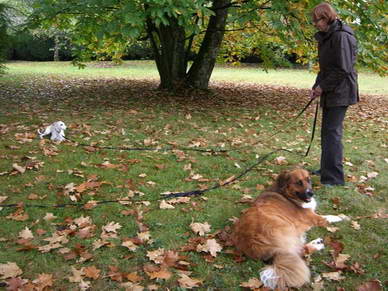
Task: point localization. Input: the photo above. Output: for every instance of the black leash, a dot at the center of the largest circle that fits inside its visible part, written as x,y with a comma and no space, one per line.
188,193
149,149
314,126
172,195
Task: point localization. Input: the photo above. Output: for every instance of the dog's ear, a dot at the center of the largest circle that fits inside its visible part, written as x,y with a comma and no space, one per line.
282,181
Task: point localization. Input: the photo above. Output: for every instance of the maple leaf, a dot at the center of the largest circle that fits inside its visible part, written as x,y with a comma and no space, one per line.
76,276
111,227
134,277
252,283
49,216
18,168
335,276
15,284
165,205
43,281
371,285
187,282
157,255
92,272
9,270
355,225
83,221
211,246
200,228
129,245
26,234
340,261
163,274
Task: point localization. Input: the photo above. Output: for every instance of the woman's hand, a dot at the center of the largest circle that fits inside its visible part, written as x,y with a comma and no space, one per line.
316,92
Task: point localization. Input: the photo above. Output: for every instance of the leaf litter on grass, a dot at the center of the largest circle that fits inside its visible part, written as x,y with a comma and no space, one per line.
133,113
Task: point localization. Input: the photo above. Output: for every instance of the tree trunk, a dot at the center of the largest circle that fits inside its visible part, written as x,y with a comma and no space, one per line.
168,42
202,68
56,48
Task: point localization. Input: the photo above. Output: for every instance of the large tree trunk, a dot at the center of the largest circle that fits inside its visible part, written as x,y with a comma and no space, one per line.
170,50
202,68
56,48
168,43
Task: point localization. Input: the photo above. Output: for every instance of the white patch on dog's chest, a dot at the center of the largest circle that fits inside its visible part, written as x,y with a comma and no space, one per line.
312,204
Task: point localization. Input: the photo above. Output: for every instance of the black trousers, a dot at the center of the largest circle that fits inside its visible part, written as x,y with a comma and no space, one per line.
331,145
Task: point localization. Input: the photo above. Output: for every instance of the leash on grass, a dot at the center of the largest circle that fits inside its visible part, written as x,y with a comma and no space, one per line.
205,150
172,195
193,192
148,149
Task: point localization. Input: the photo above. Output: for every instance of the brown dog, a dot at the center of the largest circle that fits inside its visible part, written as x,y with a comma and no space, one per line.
273,229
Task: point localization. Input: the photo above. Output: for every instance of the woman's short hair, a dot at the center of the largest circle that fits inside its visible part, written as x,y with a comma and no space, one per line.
325,11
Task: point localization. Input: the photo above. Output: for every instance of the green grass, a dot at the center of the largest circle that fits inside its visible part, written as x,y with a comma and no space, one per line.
117,107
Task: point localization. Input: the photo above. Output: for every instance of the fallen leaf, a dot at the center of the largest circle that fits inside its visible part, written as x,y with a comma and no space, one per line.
92,272
18,168
129,245
165,205
211,246
111,227
187,282
200,228
9,270
355,225
335,276
26,234
77,275
252,283
371,285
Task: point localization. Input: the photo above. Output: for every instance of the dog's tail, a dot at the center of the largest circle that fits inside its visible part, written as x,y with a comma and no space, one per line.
288,270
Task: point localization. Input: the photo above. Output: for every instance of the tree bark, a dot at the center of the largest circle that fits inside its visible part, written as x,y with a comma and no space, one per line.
171,54
202,68
168,42
56,48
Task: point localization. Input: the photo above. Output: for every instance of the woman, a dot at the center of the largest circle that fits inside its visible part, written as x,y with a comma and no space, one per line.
336,85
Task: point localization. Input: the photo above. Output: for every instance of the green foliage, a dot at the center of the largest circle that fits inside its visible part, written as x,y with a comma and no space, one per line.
107,28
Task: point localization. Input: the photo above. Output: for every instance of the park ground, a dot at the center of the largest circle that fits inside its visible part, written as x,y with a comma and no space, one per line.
60,232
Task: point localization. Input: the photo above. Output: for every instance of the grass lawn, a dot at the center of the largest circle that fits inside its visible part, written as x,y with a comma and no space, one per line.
142,242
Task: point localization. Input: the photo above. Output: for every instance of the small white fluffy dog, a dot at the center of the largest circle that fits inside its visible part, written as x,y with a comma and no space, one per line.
56,129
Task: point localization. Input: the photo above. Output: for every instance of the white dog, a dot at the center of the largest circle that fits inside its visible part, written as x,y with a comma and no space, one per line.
56,129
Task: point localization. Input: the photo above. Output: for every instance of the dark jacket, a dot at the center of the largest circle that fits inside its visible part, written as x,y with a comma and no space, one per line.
337,49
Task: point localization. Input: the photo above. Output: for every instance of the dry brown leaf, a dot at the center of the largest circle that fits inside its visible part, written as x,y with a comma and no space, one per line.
211,246
200,228
252,283
162,274
26,233
187,282
18,168
111,227
77,275
129,245
43,281
157,255
165,205
371,285
92,272
9,270
335,276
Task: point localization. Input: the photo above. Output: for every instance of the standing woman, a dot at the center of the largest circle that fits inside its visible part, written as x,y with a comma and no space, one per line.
337,86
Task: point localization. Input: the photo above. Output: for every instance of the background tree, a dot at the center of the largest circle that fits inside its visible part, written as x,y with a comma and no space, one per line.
3,34
176,28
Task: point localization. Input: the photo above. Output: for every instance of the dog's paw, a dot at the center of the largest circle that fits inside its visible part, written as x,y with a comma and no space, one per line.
269,278
332,218
317,244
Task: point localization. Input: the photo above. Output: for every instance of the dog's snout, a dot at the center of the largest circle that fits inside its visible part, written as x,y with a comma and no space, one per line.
309,192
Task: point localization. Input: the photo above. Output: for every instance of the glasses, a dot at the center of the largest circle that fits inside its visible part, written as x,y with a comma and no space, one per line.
315,21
